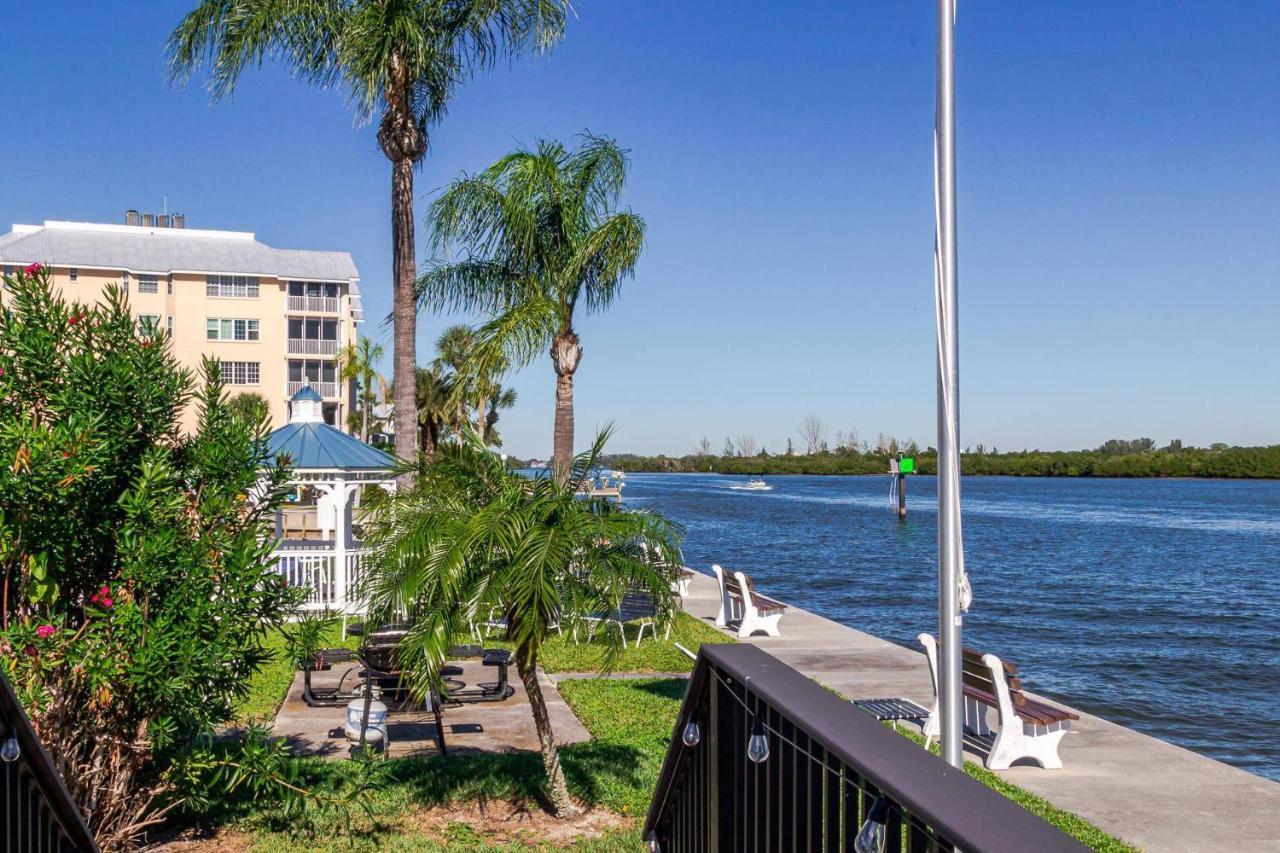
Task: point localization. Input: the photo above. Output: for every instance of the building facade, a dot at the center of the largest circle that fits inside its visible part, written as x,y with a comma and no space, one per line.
276,319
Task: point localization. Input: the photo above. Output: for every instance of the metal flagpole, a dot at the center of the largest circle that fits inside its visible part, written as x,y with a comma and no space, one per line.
950,548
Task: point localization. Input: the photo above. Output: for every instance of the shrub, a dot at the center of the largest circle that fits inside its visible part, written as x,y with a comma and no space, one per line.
137,588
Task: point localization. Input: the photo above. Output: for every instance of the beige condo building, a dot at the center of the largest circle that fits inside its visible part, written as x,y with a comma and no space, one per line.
276,319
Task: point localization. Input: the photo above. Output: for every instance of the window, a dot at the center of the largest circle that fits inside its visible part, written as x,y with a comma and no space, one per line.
169,324
124,282
168,287
240,372
148,284
232,286
148,324
218,329
75,273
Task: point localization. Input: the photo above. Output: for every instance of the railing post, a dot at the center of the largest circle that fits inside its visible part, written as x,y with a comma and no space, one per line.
715,803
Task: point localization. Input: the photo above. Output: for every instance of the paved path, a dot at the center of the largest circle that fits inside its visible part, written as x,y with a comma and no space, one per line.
1150,793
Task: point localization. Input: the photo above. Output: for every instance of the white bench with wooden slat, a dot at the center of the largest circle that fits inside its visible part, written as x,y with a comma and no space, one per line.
740,603
1028,728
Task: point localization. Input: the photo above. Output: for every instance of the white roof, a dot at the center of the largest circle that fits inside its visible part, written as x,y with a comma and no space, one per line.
140,249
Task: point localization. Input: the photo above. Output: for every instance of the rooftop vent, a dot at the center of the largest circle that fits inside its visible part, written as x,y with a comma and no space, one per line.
179,220
162,221
131,217
148,220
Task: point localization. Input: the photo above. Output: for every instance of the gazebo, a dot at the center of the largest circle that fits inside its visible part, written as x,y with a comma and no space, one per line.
319,529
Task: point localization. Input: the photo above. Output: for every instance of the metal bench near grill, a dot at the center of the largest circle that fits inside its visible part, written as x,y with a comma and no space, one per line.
1028,728
740,603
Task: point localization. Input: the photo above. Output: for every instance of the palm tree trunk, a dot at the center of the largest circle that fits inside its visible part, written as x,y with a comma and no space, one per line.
404,311
565,355
430,440
557,788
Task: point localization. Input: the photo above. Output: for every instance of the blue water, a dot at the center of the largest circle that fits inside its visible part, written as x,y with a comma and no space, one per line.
1152,603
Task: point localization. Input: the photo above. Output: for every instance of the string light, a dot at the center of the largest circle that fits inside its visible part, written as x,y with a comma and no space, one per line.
692,733
871,837
9,750
758,745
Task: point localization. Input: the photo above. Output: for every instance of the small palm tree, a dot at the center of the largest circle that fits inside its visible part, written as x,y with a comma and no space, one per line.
401,58
501,398
475,383
358,363
542,236
473,538
435,402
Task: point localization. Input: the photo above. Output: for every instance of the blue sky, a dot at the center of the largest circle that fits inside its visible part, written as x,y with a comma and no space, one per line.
1119,204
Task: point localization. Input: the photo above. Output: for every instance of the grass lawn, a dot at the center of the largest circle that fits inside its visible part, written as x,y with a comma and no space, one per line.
269,684
561,654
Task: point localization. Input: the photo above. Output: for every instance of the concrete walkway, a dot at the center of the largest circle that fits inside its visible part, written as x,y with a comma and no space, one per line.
1150,793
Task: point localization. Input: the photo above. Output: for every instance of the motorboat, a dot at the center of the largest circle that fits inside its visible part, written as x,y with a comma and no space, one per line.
753,484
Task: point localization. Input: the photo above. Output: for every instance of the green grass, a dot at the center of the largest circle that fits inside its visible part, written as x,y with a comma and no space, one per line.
269,684
561,654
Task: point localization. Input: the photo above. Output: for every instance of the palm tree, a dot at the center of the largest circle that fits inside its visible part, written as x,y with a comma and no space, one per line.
475,384
358,363
542,236
435,402
401,58
502,398
472,537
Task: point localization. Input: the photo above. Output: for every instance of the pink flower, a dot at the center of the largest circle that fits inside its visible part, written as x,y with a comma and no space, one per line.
104,590
33,269
107,602
44,632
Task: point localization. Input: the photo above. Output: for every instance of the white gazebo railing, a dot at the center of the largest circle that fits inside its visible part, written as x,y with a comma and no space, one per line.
331,580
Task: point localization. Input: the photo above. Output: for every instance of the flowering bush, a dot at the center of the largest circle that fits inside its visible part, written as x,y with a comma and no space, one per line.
136,587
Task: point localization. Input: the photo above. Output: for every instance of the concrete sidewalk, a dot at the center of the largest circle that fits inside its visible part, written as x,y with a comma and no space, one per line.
1150,793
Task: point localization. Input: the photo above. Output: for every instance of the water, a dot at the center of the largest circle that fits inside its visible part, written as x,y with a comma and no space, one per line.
1152,603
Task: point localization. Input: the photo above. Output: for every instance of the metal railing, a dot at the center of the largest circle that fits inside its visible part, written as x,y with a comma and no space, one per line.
775,762
324,389
311,346
36,811
314,304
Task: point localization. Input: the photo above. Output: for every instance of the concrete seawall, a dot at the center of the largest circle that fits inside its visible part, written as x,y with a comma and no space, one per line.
1153,794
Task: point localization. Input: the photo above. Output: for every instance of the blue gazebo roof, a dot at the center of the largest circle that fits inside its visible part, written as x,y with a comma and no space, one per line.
313,444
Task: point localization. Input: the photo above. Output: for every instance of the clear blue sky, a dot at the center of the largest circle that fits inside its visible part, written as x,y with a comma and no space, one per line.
1119,204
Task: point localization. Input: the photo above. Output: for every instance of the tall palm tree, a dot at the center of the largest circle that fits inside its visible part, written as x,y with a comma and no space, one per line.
541,235
402,59
434,404
358,363
472,537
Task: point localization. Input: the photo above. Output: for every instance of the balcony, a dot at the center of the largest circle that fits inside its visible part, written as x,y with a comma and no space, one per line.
773,762
327,390
311,346
314,304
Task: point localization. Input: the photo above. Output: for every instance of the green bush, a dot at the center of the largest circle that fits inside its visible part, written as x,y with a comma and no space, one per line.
137,585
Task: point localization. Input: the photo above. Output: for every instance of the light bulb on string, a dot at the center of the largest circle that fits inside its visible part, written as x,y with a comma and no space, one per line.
871,837
692,733
9,750
758,746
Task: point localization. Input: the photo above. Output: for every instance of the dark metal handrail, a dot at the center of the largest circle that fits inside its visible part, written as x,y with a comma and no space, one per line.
37,812
829,763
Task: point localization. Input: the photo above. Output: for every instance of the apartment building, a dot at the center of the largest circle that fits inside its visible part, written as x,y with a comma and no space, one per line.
276,319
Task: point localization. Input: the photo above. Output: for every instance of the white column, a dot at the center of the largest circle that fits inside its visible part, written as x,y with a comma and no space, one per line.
340,543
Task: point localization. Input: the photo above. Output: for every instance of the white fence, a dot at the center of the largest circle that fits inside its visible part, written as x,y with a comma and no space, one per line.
315,572
324,389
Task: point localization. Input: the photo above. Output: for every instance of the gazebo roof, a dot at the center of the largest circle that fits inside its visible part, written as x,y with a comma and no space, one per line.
312,444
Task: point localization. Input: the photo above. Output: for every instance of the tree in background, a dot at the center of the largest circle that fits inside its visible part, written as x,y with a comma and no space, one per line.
703,447
138,587
435,404
542,236
813,430
472,537
358,363
747,445
729,450
401,59
251,406
475,392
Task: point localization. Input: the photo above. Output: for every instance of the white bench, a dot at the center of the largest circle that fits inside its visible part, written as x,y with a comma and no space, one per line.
1028,728
740,603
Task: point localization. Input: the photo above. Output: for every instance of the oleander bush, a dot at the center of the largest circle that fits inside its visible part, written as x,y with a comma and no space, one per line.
137,590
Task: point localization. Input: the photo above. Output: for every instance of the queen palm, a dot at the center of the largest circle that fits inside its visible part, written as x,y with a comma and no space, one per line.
542,237
402,59
472,538
359,363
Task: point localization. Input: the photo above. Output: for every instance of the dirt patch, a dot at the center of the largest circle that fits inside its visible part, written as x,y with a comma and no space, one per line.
501,822
224,841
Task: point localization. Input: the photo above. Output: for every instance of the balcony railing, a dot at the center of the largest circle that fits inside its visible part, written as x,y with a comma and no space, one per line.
314,304
832,778
311,346
36,811
330,584
328,390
